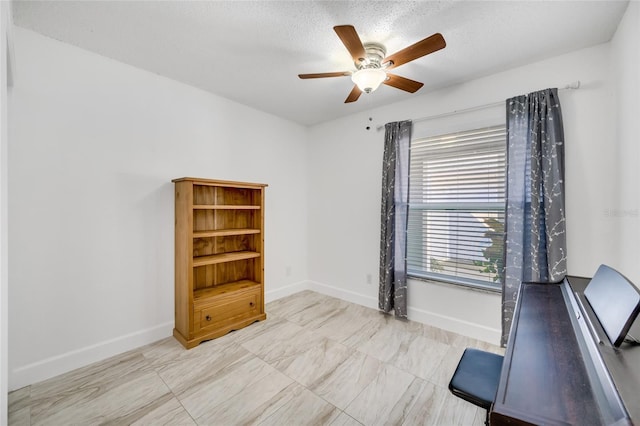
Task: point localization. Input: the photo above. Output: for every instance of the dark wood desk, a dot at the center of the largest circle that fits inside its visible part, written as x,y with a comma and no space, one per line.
560,368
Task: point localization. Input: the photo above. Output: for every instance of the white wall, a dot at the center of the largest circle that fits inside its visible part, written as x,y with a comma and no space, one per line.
626,136
345,172
5,68
93,147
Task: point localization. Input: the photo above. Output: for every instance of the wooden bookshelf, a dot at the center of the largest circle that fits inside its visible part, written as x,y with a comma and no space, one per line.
219,257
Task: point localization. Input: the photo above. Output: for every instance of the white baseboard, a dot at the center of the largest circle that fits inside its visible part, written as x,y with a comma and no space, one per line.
346,295
288,290
51,367
456,325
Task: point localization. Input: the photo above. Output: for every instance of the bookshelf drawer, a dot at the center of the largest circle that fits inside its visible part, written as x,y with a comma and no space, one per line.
227,310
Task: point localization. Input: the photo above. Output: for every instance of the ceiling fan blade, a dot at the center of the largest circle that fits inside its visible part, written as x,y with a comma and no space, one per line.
325,74
354,95
403,83
351,41
417,50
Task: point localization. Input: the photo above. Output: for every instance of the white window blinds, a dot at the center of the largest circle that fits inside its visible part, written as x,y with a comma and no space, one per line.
457,205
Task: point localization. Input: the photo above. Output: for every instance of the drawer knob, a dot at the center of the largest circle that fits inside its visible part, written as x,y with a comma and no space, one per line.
208,318
250,303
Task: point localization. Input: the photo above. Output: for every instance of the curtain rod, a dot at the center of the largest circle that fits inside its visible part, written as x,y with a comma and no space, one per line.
571,86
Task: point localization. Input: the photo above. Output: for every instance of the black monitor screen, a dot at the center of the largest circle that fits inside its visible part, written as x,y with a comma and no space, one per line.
615,301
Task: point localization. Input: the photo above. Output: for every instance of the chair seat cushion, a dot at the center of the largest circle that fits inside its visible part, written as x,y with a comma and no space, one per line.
477,376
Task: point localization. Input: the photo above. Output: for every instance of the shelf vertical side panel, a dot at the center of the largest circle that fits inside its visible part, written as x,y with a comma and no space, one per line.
260,249
183,257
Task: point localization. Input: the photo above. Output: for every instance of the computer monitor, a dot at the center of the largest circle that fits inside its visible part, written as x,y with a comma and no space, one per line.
615,301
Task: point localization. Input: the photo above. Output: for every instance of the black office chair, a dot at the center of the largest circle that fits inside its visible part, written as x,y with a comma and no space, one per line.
476,378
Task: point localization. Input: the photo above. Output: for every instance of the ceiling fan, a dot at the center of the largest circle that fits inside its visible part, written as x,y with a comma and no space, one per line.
372,63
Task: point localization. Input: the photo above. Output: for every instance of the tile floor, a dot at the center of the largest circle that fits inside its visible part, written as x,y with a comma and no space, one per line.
316,360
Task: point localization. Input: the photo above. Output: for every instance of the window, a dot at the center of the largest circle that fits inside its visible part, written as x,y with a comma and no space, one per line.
457,207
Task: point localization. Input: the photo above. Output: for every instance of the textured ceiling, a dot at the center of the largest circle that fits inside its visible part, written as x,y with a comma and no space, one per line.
252,51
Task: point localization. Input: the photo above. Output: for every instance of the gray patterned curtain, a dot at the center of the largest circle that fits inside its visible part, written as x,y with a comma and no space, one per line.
394,211
535,246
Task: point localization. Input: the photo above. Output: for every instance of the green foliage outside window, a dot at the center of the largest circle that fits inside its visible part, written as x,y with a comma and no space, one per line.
494,252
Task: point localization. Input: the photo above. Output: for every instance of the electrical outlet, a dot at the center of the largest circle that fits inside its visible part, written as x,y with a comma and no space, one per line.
288,271
369,279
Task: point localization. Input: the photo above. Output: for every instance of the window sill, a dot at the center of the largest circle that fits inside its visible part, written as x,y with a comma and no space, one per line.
469,285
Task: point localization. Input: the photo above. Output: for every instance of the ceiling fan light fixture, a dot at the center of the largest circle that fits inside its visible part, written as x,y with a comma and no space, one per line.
369,79
372,62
